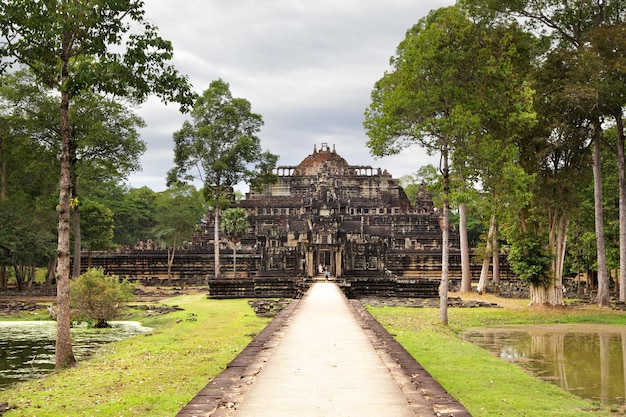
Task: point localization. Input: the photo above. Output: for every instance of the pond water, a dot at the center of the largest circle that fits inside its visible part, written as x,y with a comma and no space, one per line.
587,360
27,348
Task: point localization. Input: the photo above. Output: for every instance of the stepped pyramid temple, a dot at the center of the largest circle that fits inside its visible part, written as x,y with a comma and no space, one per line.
323,214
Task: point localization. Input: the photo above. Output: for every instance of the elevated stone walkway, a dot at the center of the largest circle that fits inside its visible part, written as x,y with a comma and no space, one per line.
324,356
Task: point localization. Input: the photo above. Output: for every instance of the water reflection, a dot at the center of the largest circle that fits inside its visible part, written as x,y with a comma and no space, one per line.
27,348
587,360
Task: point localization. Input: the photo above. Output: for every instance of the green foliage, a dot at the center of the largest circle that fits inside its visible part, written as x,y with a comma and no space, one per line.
530,260
453,83
26,235
178,211
107,139
221,142
135,215
234,223
113,48
98,298
97,225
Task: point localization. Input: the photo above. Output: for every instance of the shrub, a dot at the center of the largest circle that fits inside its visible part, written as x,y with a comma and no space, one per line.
97,298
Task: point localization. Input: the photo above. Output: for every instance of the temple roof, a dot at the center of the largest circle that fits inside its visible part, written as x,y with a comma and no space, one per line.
323,160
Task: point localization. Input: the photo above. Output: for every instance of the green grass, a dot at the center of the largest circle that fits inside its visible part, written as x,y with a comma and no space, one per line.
153,374
157,374
486,385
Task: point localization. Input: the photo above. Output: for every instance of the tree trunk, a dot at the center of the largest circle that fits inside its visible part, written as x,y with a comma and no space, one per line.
540,295
170,260
52,264
484,272
445,247
602,297
622,207
74,193
216,238
559,260
64,354
77,242
235,261
30,274
19,276
466,274
495,249
3,197
3,174
552,294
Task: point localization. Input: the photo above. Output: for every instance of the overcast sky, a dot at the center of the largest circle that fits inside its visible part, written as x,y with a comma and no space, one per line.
307,66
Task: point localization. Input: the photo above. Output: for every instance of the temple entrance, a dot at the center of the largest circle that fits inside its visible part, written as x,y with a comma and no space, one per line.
324,258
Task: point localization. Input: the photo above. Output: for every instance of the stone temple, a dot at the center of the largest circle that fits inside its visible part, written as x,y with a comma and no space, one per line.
354,221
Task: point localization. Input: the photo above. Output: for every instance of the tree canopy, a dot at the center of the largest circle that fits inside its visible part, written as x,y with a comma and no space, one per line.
221,146
77,47
453,89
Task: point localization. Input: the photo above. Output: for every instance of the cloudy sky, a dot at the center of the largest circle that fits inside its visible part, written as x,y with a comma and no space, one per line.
307,66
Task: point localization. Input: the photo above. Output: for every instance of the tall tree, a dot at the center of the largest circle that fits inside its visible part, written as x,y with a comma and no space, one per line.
609,46
222,144
75,46
135,216
571,25
26,163
97,227
106,146
446,72
234,225
556,151
178,211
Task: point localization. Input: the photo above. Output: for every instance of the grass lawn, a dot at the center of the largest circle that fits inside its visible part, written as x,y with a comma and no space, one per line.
154,374
486,385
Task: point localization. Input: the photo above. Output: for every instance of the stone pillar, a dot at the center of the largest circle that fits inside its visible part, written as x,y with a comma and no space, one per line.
310,263
338,262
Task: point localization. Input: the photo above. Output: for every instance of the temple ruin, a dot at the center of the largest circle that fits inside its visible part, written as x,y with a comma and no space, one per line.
350,219
354,221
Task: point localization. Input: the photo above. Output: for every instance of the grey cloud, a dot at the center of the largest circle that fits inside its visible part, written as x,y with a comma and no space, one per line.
307,67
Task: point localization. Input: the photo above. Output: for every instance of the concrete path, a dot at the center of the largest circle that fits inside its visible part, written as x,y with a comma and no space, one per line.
324,366
324,356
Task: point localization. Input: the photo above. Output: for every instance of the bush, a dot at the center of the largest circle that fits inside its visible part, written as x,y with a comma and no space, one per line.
97,298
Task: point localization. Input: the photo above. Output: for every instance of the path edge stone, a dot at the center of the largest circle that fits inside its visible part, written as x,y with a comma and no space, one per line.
220,397
426,396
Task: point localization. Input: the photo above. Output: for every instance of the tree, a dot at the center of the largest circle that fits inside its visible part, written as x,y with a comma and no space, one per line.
98,298
571,26
556,152
26,239
234,225
429,175
446,74
135,215
106,146
221,142
609,45
97,227
27,185
178,211
75,46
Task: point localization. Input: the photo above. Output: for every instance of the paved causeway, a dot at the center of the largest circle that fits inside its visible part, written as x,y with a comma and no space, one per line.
324,363
324,366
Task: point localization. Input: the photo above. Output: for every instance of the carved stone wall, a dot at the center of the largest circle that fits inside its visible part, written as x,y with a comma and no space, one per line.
346,218
355,221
